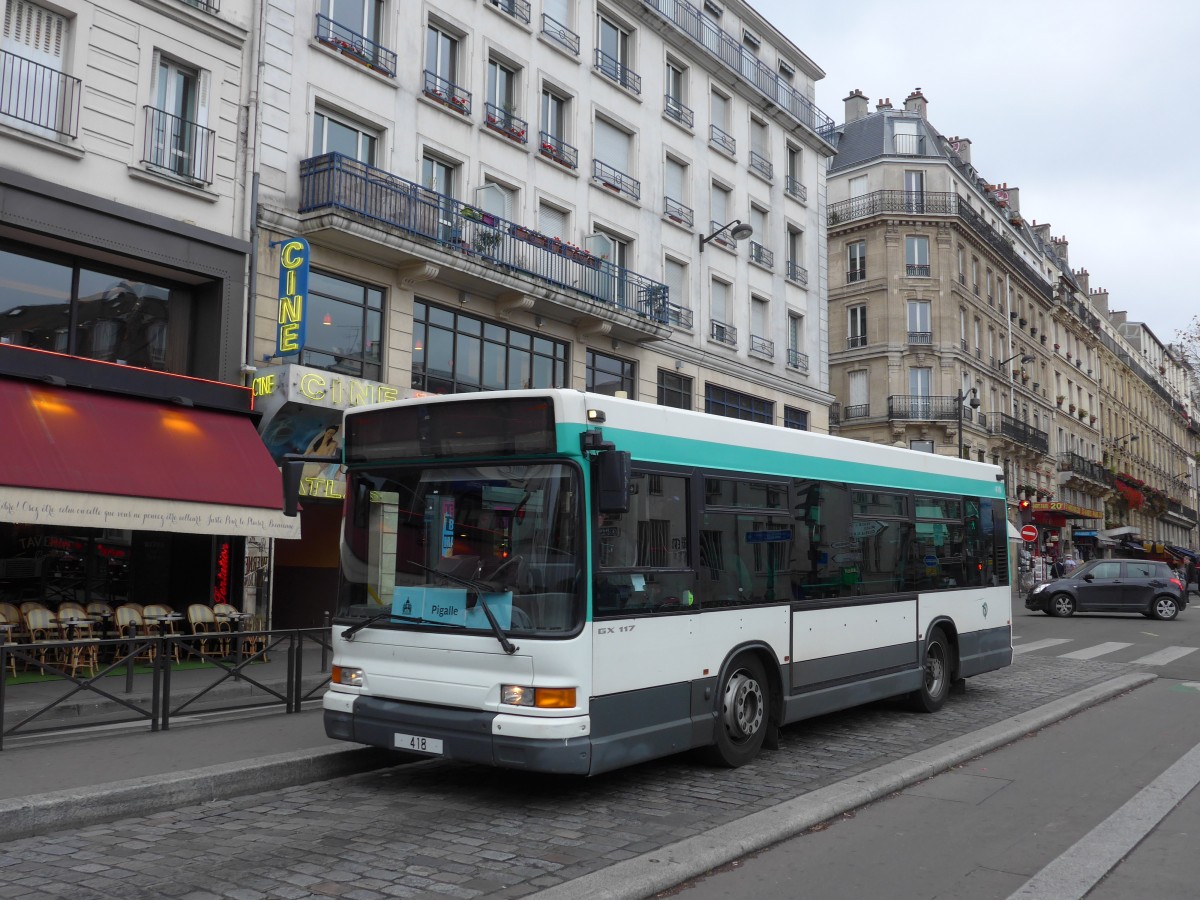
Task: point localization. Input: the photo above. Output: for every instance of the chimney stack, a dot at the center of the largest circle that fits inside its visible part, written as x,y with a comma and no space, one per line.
1060,245
1118,316
857,105
916,102
1099,298
1014,198
1082,277
883,104
961,146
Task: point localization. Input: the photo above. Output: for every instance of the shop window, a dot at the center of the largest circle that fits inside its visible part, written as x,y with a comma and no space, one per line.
345,320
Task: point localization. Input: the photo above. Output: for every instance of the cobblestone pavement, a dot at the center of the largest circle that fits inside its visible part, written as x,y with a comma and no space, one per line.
443,829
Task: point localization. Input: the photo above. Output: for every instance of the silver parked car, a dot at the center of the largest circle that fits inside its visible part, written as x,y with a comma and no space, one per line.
1113,585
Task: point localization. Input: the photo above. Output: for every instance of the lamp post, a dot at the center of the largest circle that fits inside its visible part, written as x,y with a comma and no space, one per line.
1115,442
1025,357
738,230
961,401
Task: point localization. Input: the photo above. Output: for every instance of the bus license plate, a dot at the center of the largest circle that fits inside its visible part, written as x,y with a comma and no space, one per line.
418,744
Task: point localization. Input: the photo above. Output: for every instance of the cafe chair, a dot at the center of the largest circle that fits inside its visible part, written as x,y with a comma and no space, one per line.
253,642
83,649
155,616
43,631
69,609
102,614
204,626
129,623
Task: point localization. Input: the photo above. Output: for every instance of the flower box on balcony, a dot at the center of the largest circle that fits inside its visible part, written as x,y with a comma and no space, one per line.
1071,407
1093,419
1059,399
1058,346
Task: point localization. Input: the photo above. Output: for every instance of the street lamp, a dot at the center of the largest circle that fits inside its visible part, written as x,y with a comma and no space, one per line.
974,401
1116,441
738,230
1025,357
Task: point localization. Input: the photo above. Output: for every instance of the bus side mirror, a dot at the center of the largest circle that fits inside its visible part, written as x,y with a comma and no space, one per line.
613,473
292,471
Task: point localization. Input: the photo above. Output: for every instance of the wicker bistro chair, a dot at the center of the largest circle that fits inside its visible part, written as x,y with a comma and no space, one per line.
155,615
14,629
42,627
102,614
205,627
129,623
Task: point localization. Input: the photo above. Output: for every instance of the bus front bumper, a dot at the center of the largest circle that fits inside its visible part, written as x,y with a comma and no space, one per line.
514,742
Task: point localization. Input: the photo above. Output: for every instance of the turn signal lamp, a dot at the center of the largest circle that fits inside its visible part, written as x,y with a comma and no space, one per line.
348,676
539,698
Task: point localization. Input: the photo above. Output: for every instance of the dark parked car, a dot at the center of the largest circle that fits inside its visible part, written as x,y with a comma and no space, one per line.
1113,585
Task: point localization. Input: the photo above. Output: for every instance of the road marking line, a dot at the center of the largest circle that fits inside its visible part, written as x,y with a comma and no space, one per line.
1164,656
1098,650
1073,874
1040,645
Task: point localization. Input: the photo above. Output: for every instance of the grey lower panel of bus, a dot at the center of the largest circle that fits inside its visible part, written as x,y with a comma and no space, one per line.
465,735
810,673
636,726
983,651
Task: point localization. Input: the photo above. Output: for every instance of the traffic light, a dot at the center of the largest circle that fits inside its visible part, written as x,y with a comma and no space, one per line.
1025,508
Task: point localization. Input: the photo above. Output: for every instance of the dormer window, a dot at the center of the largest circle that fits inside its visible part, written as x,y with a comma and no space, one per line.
713,10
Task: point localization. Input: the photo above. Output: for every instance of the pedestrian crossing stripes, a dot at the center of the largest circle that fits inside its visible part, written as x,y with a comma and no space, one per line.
1163,657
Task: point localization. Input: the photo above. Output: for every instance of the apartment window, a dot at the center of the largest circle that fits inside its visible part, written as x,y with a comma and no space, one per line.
441,54
990,286
502,86
794,183
440,176
858,186
914,191
458,353
676,191
759,317
856,326
610,375
919,329
962,328
856,261
859,394
345,326
795,255
916,256
720,401
676,94
719,123
760,148
978,330
177,140
962,265
795,418
759,252
333,134
35,90
613,54
975,275
362,17
675,277
674,390
554,114
921,446
719,301
553,221
612,146
797,358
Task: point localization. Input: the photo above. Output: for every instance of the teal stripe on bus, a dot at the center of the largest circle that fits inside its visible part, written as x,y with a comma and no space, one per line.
672,450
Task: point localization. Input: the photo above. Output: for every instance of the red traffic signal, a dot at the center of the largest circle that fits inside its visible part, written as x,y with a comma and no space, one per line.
1024,505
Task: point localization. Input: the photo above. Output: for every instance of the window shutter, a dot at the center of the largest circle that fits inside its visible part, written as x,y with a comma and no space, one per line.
612,146
720,296
859,395
720,205
203,157
675,178
35,33
675,274
552,222
559,10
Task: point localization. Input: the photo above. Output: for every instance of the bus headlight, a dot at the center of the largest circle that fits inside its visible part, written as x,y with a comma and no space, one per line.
347,675
540,698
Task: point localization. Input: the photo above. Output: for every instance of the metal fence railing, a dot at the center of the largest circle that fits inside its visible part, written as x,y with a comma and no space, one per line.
39,95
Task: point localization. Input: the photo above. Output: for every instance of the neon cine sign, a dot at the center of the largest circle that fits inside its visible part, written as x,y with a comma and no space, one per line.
293,296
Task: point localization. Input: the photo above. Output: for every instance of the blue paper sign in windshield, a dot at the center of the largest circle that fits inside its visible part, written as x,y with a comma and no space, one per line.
448,606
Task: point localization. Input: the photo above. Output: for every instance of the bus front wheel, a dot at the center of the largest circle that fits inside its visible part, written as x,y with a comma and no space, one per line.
742,714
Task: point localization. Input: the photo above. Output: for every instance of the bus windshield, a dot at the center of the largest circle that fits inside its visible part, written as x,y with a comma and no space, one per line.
434,545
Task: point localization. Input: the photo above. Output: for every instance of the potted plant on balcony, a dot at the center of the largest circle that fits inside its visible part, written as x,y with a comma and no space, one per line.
1058,347
1059,399
1071,408
1068,354
1092,419
1082,414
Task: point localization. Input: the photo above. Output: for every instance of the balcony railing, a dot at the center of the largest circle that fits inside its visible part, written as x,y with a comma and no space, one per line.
679,316
354,46
920,337
798,360
179,147
677,212
722,238
1079,465
39,95
916,270
719,138
908,144
761,255
208,6
558,150
1021,432
856,411
518,9
560,33
447,93
797,272
761,165
616,70
677,111
616,180
512,127
762,346
795,189
727,48
916,406
934,203
856,340
856,275
337,182
722,333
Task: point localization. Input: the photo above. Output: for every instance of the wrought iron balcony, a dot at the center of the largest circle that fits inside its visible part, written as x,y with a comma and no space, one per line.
209,6
722,333
933,203
512,127
1079,465
677,212
927,408
178,147
908,144
518,9
557,149
560,33
859,274
856,411
616,180
920,337
761,165
679,316
1021,432
677,111
718,138
856,340
617,71
797,272
762,346
339,183
916,271
798,360
761,255
354,46
39,95
447,93
722,238
795,189
727,48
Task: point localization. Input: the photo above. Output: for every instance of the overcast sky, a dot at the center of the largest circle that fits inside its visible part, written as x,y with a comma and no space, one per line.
1090,107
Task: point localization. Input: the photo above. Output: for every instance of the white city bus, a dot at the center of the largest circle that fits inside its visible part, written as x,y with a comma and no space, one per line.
567,582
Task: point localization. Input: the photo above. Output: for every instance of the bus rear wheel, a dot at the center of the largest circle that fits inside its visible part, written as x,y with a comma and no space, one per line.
935,681
743,710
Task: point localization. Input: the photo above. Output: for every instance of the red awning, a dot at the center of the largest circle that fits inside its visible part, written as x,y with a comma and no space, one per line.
86,458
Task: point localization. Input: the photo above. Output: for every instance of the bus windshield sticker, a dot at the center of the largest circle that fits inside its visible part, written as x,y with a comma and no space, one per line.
448,606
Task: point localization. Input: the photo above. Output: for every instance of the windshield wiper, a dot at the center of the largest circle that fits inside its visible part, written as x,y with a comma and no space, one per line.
350,632
479,589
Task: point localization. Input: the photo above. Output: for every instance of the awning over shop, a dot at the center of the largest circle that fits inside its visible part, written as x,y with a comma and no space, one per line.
1183,552
99,460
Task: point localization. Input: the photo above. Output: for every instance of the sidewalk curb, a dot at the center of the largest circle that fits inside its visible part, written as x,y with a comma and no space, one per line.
22,817
667,867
